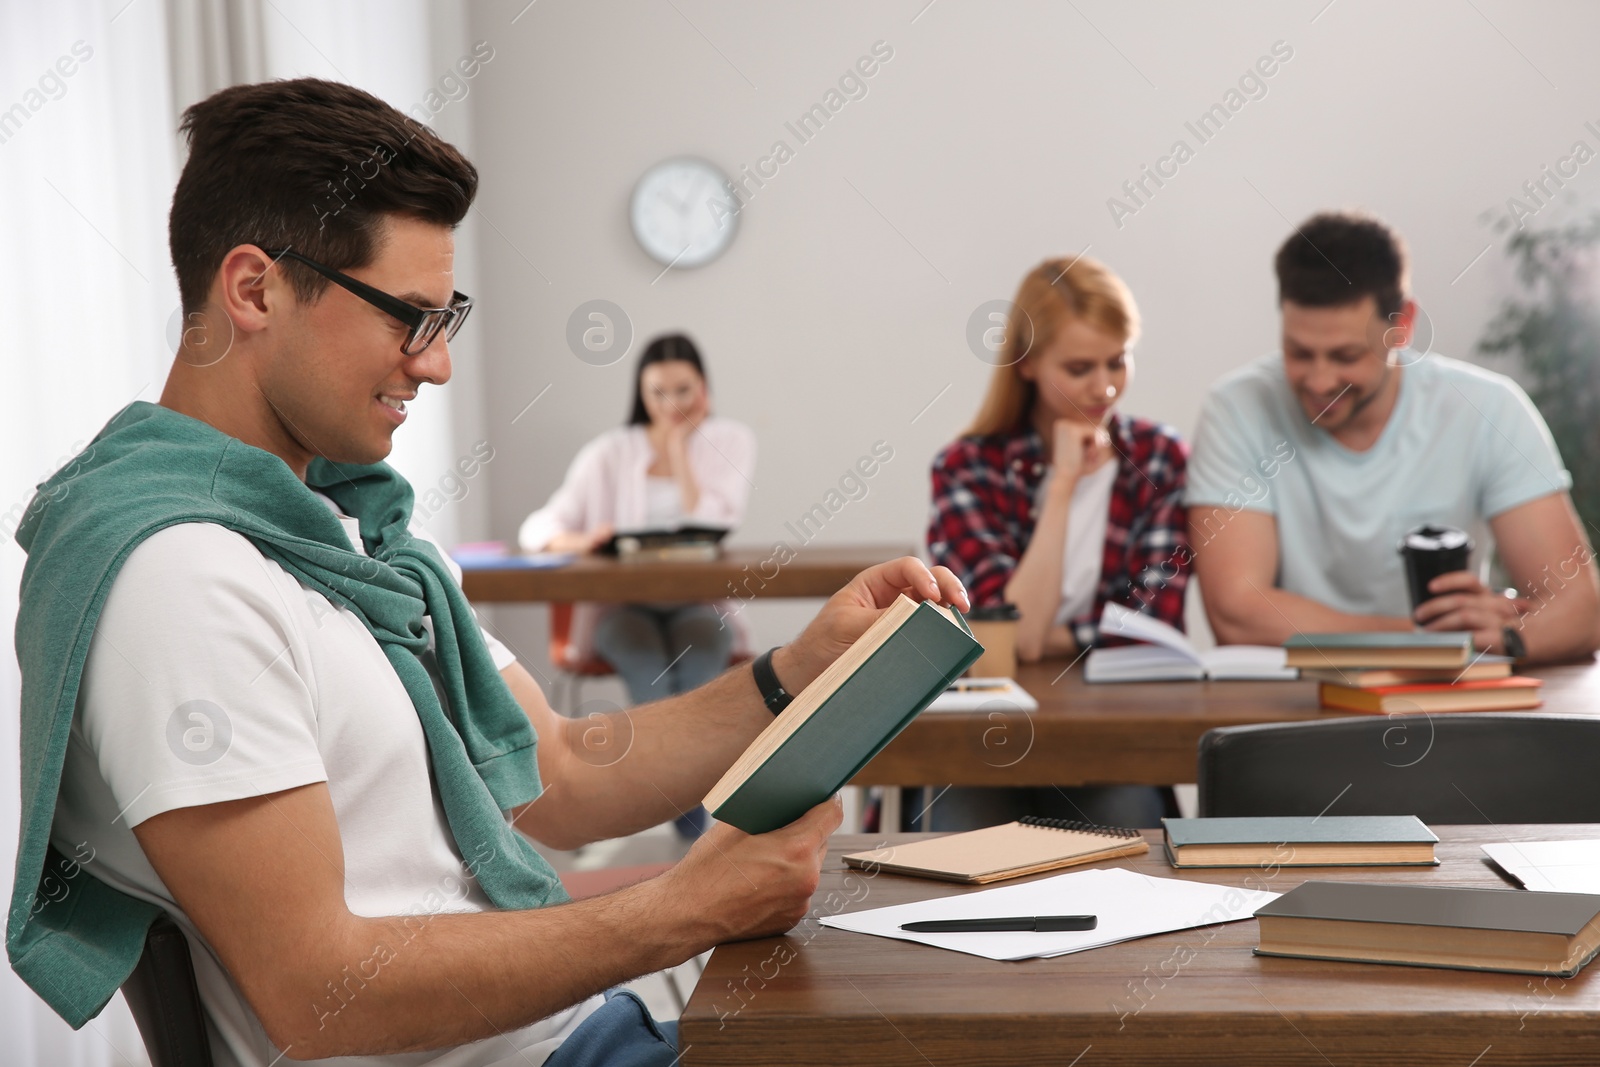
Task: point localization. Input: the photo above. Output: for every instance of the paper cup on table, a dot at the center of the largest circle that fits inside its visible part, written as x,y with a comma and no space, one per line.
1429,551
996,630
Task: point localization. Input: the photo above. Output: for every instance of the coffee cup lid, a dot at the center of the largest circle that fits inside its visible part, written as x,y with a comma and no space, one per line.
1430,538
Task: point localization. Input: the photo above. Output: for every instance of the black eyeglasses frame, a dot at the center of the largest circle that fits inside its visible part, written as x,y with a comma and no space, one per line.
424,323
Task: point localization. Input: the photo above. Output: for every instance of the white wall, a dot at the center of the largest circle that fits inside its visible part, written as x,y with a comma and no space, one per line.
403,53
992,138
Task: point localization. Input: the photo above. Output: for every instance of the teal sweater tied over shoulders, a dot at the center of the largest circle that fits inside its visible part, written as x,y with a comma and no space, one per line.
73,938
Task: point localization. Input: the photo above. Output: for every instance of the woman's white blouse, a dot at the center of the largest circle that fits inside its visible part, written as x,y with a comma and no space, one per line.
607,484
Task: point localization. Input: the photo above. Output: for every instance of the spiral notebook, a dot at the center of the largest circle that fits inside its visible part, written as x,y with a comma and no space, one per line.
1011,850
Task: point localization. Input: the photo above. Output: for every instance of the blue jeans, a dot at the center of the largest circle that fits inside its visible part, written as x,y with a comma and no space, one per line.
660,650
620,1033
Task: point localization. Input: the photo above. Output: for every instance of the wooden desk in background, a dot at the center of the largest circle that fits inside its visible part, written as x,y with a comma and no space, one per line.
821,996
814,572
1143,733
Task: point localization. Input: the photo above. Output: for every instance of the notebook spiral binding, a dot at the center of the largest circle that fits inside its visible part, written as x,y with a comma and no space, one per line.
1078,826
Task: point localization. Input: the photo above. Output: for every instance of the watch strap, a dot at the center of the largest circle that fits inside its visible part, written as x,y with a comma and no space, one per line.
773,694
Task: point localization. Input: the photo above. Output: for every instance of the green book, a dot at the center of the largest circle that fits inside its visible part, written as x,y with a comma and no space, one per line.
1387,648
846,716
1300,841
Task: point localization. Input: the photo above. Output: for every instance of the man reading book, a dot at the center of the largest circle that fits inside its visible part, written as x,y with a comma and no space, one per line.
254,699
1310,465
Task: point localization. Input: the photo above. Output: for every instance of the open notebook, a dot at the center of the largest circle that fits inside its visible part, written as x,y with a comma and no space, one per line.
1013,849
1167,656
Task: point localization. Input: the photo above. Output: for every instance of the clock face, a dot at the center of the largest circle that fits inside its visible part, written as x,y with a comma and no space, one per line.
683,212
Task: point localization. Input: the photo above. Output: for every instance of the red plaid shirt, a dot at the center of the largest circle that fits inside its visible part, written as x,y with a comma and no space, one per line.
984,493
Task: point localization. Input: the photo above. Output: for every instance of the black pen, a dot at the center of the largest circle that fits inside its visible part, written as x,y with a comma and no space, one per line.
1034,923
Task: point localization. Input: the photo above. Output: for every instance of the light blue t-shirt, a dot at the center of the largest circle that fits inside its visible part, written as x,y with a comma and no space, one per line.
1462,445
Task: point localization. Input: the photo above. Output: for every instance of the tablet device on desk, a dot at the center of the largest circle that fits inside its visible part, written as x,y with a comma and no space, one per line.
681,542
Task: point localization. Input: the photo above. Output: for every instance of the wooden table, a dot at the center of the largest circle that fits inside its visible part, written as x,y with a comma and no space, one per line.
1200,997
738,572
1130,733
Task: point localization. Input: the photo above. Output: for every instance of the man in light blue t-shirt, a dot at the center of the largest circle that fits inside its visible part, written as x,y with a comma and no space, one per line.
1310,466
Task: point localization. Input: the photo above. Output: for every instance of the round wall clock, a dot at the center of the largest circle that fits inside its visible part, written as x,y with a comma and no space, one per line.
684,212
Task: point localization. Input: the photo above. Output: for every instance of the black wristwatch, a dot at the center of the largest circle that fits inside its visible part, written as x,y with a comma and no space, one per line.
1511,641
773,694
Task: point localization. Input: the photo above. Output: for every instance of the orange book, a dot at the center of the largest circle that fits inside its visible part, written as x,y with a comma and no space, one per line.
1490,694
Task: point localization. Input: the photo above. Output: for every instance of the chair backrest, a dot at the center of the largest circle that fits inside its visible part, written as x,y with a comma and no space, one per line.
165,1001
1460,768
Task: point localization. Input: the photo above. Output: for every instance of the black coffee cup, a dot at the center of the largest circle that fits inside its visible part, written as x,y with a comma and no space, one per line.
1430,551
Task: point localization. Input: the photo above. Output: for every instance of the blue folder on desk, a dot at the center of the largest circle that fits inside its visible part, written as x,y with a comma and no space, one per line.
495,556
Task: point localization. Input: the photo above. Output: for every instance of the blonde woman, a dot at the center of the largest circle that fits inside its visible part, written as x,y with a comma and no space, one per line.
1056,501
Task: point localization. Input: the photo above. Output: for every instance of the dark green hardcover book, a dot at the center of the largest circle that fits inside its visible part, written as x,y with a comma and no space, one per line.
1411,648
1382,639
844,718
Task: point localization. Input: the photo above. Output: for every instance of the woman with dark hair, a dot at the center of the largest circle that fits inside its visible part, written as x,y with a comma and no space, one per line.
672,464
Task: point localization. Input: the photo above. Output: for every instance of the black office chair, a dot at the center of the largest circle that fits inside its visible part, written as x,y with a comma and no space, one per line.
165,1000
1462,768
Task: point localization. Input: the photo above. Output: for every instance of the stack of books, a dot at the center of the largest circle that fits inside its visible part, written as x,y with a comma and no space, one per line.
1389,673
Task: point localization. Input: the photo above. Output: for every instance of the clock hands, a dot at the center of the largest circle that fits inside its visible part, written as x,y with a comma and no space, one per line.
678,212
682,209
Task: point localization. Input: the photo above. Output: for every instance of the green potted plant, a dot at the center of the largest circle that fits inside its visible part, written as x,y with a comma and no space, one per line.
1551,329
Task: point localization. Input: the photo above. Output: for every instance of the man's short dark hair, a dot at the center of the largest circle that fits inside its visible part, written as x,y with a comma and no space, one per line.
1338,257
307,164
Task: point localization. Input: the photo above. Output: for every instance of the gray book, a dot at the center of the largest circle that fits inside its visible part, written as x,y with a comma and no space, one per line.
1301,841
1434,926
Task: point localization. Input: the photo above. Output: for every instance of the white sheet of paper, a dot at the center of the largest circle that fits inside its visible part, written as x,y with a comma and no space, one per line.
1551,866
1129,906
1008,696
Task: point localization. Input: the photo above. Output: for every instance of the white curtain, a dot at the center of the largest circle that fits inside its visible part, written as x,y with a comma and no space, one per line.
88,159
85,178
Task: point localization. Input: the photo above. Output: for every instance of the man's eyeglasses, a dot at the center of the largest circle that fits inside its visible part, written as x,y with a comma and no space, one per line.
425,323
